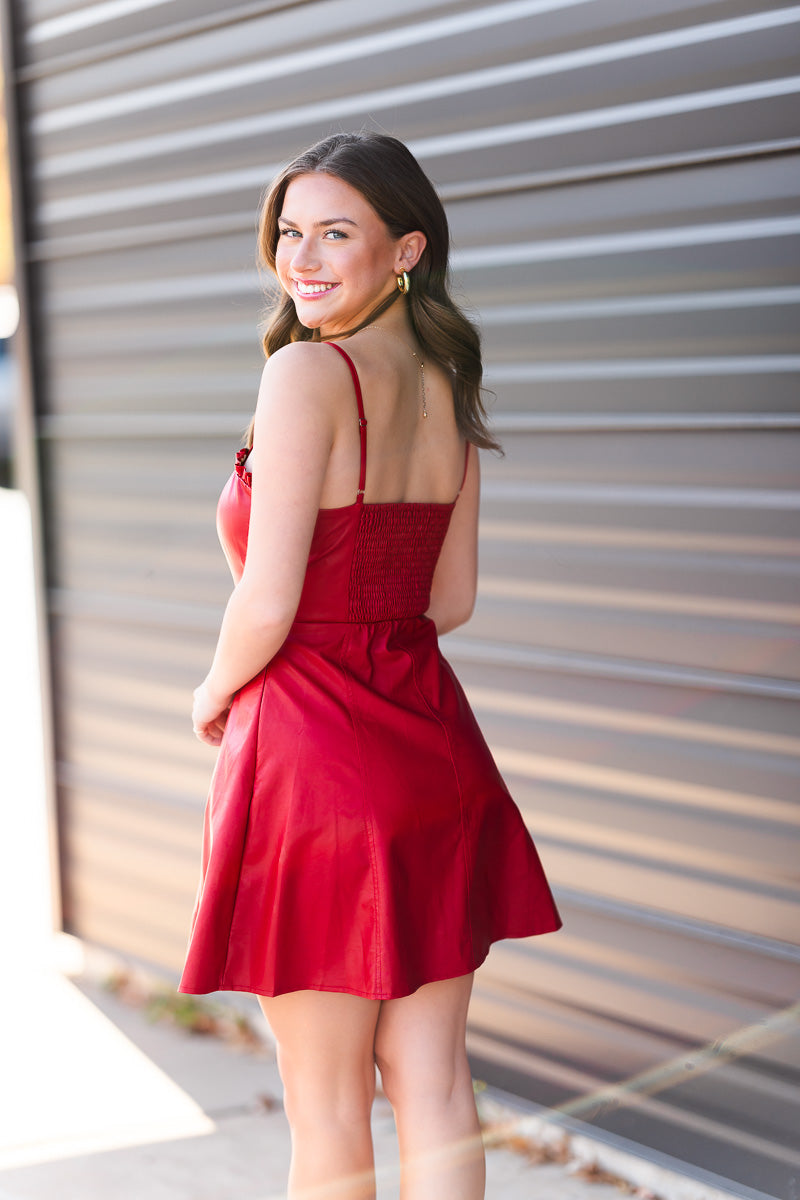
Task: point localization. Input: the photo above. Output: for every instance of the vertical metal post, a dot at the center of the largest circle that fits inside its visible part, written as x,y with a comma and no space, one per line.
25,458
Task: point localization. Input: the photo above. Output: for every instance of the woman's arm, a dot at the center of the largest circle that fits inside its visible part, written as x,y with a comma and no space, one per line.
455,580
294,432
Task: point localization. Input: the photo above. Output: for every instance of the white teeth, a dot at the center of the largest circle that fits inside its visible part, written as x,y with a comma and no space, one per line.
309,289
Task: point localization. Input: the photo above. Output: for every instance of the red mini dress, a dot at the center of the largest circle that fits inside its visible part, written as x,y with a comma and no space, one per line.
358,836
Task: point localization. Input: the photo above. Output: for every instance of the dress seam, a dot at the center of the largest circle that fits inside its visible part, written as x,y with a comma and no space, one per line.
464,838
368,828
222,985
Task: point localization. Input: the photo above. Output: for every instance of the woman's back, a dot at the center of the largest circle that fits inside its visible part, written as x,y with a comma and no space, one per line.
411,457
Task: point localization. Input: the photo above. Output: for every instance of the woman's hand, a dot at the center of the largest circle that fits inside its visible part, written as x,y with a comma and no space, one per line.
209,715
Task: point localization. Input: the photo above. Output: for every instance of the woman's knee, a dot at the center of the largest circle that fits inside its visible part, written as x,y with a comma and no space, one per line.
420,1044
342,1098
436,1082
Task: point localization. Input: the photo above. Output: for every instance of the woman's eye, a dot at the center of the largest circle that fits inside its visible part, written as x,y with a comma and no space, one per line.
289,232
335,234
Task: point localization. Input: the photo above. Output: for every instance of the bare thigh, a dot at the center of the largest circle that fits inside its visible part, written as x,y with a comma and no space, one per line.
420,1040
325,1043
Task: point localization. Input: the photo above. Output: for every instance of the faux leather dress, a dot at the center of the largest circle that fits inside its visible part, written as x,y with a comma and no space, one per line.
358,836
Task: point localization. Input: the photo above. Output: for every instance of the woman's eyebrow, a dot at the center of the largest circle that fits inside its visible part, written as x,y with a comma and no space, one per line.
322,224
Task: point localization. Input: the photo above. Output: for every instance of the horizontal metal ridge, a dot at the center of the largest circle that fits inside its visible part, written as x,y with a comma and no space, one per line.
475,650
622,422
93,780
143,293
673,495
690,926
634,305
144,425
135,610
658,601
614,168
73,245
511,254
229,424
70,22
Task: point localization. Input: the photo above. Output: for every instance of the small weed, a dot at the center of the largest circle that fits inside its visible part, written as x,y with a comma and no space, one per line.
593,1173
187,1012
192,1013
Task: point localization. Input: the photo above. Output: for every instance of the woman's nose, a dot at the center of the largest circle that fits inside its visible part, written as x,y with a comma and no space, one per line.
306,256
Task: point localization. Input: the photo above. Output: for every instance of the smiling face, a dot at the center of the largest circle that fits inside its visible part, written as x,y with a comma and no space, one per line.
335,257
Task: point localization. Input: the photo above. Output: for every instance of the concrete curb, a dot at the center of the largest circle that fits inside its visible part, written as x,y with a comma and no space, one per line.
657,1176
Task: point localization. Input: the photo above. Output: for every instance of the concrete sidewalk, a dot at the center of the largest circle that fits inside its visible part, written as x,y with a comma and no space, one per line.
100,1101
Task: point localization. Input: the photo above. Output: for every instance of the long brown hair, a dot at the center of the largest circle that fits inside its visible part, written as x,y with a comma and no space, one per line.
391,180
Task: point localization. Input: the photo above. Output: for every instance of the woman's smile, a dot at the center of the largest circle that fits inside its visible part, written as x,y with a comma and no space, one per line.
310,289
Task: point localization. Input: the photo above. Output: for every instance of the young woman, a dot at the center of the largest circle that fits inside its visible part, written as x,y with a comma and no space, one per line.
360,850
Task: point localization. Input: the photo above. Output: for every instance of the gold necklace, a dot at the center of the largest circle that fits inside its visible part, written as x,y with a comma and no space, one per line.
419,361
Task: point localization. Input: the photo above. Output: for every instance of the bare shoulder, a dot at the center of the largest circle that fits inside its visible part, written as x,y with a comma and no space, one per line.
306,366
305,387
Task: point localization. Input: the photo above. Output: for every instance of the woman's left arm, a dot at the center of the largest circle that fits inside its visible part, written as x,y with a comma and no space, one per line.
294,432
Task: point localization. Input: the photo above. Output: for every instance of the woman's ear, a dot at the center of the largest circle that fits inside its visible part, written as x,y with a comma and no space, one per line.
410,248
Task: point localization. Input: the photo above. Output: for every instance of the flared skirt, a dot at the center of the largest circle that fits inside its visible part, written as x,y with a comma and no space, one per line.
358,836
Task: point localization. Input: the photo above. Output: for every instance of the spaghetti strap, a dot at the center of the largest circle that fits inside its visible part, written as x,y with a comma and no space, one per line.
362,422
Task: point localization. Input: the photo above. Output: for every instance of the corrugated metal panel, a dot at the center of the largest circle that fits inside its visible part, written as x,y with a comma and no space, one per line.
622,186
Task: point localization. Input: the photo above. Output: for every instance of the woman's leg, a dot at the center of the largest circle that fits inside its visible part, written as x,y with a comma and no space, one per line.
325,1056
420,1050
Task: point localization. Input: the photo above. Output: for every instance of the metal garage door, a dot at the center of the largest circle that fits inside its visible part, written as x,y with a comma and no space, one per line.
622,185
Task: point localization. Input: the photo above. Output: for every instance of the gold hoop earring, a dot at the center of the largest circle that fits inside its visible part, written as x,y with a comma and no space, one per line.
403,283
